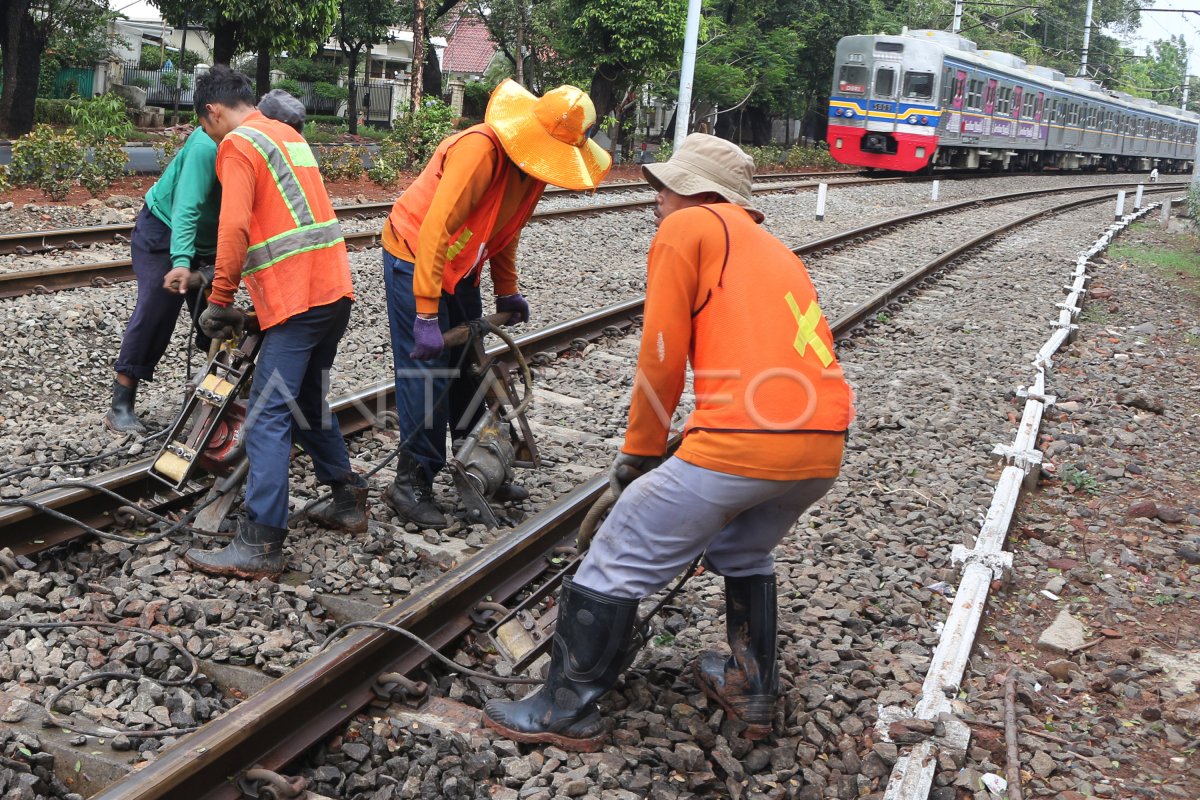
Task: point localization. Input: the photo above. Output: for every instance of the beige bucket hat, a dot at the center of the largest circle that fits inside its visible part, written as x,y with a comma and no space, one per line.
707,164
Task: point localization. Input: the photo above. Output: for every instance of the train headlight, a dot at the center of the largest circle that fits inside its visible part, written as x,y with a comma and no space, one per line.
924,120
837,112
849,112
912,120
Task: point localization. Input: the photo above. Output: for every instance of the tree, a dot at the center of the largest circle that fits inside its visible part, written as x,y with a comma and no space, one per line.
359,25
27,28
265,27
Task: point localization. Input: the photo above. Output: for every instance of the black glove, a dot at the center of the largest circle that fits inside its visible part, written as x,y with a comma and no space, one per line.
626,469
222,322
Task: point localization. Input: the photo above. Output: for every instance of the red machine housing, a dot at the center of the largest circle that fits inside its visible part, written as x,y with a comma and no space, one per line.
905,159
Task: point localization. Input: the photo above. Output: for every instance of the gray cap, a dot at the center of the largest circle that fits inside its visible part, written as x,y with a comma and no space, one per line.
279,105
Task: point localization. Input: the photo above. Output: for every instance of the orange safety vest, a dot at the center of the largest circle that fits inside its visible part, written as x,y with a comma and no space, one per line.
477,239
297,257
761,351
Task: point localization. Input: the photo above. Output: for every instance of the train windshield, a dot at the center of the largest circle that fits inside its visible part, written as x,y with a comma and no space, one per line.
852,80
885,82
918,85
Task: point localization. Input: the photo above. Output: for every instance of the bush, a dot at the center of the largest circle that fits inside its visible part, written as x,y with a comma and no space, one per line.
475,99
168,80
107,165
139,82
1193,202
811,157
388,163
325,119
47,160
52,112
101,118
299,68
170,146
420,133
341,162
290,86
330,91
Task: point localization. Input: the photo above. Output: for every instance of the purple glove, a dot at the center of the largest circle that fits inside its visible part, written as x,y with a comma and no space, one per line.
513,304
427,334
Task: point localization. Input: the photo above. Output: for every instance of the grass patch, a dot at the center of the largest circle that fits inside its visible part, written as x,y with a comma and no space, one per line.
1093,313
1174,260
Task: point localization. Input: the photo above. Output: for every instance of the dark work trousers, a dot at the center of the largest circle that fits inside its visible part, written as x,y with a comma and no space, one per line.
154,315
431,395
287,403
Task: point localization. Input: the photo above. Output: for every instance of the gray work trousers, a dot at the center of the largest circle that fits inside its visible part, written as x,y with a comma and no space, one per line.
672,514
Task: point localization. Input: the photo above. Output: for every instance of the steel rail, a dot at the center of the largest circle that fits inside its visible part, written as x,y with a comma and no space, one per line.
275,726
27,242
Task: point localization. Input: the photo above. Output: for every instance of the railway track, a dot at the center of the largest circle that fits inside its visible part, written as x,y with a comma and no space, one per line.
276,725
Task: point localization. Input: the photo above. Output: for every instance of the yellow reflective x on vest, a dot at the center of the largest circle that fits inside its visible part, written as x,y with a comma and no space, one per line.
807,336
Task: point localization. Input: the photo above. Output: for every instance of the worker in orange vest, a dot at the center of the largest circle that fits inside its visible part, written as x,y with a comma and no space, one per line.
468,206
764,443
278,234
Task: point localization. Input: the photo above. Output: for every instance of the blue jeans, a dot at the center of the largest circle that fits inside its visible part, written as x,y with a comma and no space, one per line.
430,394
287,401
154,315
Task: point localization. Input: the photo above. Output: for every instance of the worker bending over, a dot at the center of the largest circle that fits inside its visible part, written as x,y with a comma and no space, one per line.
277,233
469,206
764,443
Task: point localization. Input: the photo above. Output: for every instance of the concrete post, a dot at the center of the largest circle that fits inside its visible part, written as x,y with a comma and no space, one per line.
822,188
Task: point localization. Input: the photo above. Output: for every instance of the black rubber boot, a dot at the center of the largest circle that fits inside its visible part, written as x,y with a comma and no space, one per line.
745,683
591,645
346,510
411,495
120,416
256,552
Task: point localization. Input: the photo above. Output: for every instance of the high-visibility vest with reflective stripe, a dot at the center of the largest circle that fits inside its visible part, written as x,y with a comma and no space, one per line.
762,351
478,237
296,258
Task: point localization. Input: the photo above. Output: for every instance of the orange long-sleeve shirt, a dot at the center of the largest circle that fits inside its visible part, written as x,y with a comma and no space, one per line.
466,176
685,261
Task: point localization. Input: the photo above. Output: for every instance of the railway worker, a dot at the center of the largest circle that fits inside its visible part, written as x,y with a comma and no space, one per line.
764,443
174,236
278,233
469,205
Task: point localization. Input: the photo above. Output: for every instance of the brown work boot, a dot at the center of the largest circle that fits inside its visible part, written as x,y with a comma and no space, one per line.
745,683
346,510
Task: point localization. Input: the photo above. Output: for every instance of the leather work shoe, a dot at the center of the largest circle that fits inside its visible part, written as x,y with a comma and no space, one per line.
346,510
745,683
411,495
256,552
592,643
120,416
510,493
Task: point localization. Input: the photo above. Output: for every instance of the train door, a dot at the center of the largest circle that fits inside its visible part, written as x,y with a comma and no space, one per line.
989,106
1015,125
1071,122
883,107
953,86
1039,107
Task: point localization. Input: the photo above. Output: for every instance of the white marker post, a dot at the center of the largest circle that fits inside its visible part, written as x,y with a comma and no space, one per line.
821,189
1166,215
1120,212
1137,198
936,186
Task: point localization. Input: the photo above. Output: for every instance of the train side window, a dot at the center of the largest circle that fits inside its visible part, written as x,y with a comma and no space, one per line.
852,79
1091,117
1037,109
885,82
1028,101
1002,101
947,86
975,94
918,85
1053,110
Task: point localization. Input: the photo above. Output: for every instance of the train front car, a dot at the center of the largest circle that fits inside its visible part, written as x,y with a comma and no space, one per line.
883,109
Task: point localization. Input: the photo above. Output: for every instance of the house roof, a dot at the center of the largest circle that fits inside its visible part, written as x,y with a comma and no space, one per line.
470,48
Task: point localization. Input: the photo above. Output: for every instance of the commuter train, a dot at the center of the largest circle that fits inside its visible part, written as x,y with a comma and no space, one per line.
931,98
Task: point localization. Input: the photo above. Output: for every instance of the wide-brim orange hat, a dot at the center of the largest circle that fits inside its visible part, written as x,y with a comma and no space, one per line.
546,137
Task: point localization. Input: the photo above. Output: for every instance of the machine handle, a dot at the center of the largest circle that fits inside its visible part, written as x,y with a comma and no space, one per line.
459,334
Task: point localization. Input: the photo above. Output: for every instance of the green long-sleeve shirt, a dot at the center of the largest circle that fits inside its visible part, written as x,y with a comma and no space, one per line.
187,198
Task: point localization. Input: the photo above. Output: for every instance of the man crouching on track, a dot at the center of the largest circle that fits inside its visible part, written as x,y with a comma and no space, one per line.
277,232
764,443
469,206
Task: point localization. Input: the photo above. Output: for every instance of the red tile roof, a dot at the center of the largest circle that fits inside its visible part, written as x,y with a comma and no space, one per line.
469,48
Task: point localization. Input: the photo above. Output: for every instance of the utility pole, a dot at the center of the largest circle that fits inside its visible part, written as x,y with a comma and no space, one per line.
1187,87
683,111
958,12
179,75
1087,40
418,49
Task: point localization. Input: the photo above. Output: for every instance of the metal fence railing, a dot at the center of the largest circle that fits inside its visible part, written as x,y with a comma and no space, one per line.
159,85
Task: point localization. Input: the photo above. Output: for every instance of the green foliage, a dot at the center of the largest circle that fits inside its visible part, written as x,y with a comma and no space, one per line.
300,68
140,82
106,166
101,118
663,153
330,91
1079,479
170,146
298,27
389,162
168,80
810,157
1193,202
421,132
475,99
47,160
52,112
290,86
325,119
157,57
341,163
